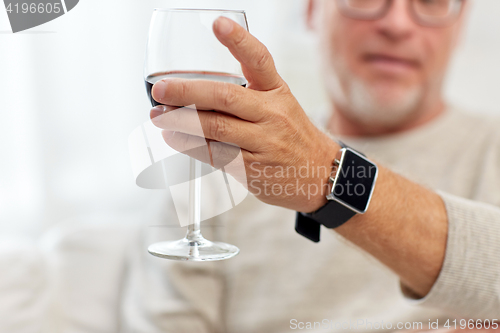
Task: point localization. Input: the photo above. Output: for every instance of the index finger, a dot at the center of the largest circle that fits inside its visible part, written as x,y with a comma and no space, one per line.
257,62
210,95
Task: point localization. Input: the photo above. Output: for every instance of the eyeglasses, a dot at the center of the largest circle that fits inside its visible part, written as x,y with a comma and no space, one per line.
432,13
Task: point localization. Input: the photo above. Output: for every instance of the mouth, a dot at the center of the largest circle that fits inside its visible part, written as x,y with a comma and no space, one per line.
391,64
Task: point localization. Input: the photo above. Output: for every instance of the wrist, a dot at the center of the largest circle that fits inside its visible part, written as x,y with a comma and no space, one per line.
349,195
326,169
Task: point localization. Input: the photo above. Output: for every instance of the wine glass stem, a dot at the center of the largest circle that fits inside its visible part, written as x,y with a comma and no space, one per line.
194,232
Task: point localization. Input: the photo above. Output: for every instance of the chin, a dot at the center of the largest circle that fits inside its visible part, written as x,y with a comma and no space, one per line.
380,105
383,107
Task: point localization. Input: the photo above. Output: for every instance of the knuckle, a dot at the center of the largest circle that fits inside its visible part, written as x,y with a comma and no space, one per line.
228,96
183,90
262,59
218,128
223,153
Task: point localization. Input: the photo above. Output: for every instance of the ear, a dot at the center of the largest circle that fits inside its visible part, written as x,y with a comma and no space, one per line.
310,18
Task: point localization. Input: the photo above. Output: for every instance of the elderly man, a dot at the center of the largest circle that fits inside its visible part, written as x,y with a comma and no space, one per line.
426,250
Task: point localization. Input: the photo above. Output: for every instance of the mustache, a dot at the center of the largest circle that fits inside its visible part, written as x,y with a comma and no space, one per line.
406,53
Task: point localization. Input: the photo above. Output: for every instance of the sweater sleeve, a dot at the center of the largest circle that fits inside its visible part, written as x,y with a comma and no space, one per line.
469,282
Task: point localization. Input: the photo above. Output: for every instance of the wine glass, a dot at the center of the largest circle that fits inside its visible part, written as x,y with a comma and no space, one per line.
182,44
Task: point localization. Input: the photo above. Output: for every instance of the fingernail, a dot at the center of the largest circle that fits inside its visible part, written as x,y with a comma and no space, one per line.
159,90
223,25
158,111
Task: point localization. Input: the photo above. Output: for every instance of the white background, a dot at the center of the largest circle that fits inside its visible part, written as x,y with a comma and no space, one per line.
72,90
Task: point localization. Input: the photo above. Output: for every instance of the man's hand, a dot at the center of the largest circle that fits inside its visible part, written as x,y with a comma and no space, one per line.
287,159
277,138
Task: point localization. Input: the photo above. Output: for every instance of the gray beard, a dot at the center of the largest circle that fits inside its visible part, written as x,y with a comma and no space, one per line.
361,102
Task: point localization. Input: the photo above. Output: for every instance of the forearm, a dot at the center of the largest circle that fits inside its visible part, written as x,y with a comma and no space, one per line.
405,228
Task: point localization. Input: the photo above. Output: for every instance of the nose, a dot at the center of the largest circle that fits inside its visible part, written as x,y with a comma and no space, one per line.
397,24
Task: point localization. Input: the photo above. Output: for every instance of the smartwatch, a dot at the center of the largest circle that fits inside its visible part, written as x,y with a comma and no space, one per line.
350,194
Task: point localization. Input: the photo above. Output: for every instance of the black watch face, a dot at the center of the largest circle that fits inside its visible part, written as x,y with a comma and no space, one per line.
354,181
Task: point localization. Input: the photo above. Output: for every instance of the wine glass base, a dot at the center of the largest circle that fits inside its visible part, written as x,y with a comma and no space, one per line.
193,250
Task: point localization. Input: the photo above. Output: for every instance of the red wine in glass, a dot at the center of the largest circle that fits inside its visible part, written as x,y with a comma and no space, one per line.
211,76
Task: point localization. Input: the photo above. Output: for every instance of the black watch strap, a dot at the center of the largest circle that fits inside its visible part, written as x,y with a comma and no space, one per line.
307,227
334,212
